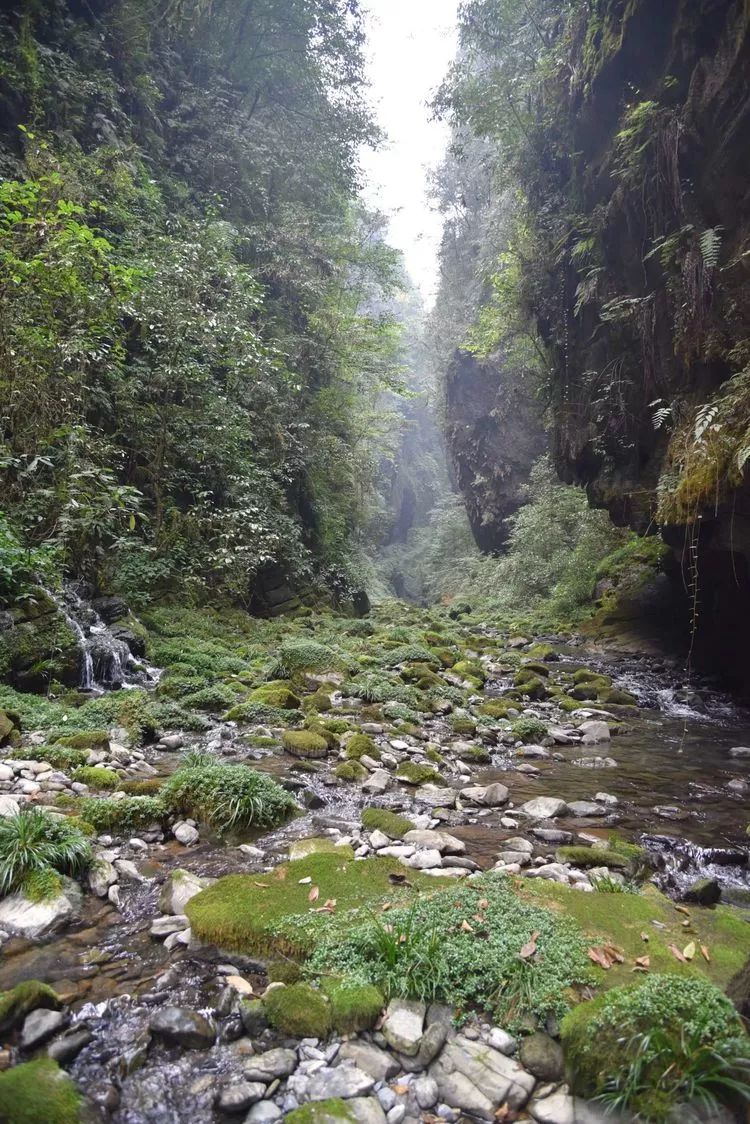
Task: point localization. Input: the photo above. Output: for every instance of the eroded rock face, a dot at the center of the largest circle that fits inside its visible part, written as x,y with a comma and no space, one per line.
494,435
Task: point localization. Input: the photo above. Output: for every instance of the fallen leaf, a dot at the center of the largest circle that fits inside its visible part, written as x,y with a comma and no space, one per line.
681,909
503,1112
704,954
614,954
676,953
529,948
305,881
385,906
689,950
658,924
645,937
643,961
484,904
314,894
600,957
400,1090
478,917
263,885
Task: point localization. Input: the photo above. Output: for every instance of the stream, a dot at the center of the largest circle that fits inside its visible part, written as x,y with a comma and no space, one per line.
674,785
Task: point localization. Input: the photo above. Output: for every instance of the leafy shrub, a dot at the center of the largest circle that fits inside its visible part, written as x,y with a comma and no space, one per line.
34,840
461,946
379,688
214,699
226,797
22,566
408,653
647,1047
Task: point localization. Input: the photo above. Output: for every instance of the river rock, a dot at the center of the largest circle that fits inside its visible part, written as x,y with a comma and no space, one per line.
544,807
33,920
180,886
533,752
542,1056
552,834
69,1045
474,1077
370,1058
518,843
182,1027
9,806
264,1112
101,876
378,840
440,840
273,1063
704,891
491,795
171,742
239,1096
426,1091
403,1026
435,796
422,860
594,732
186,834
40,1025
378,782
343,1081
585,808
740,751
500,1040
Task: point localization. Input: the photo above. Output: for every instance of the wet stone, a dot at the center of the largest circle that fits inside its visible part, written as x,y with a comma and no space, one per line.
182,1027
240,1096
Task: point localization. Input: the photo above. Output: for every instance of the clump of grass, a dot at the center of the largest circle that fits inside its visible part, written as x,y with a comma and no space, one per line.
36,841
528,730
412,773
58,756
226,797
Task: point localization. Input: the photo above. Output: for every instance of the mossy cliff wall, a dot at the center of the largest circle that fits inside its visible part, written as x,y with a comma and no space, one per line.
646,309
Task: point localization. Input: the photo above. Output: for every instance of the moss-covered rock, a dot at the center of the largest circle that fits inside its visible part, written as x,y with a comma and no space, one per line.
84,739
38,1092
412,773
304,743
331,1111
613,696
464,726
96,776
360,745
354,1006
26,996
476,755
592,856
391,824
298,1009
533,686
496,708
244,912
37,646
350,771
529,730
275,695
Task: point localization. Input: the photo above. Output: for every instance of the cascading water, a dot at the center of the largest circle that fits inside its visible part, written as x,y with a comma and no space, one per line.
106,661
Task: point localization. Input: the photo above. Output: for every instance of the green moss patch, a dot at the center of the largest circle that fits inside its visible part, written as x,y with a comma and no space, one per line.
243,912
354,1007
361,746
96,776
273,695
331,1111
529,730
38,1091
412,773
350,771
26,996
391,824
304,743
298,1009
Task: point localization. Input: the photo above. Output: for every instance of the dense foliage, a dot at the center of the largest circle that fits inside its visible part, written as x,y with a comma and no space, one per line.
191,363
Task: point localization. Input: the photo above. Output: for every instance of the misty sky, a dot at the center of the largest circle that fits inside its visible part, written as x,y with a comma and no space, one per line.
411,44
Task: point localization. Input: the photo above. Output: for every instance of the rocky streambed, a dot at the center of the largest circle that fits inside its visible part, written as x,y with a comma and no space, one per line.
589,781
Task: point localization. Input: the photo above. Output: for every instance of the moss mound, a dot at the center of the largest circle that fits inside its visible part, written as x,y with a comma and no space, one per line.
412,773
592,856
362,746
304,743
350,771
38,1091
87,739
243,912
354,1006
331,1111
391,824
298,1009
26,996
272,695
96,776
651,1043
528,730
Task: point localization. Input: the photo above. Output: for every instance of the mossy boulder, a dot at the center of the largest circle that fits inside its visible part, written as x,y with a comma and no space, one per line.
26,996
470,669
412,773
476,755
37,646
591,857
382,819
304,743
613,696
354,1006
85,739
496,708
360,745
533,686
96,776
246,912
257,714
298,1009
586,675
38,1092
529,730
334,1110
279,696
534,668
464,726
316,727
350,771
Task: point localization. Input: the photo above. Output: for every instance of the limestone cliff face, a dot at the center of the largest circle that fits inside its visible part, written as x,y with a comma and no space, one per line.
494,433
646,313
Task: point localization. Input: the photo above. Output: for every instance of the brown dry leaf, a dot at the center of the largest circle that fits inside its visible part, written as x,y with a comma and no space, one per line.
643,961
483,904
681,909
676,953
689,950
614,954
600,957
385,906
262,885
704,954
402,938
314,894
503,1113
466,927
400,1090
529,948
645,937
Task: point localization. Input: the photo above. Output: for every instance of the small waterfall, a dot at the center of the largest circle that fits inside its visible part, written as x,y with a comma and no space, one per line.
106,661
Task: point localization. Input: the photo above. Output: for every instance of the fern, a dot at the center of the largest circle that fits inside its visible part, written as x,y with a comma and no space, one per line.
703,420
710,244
